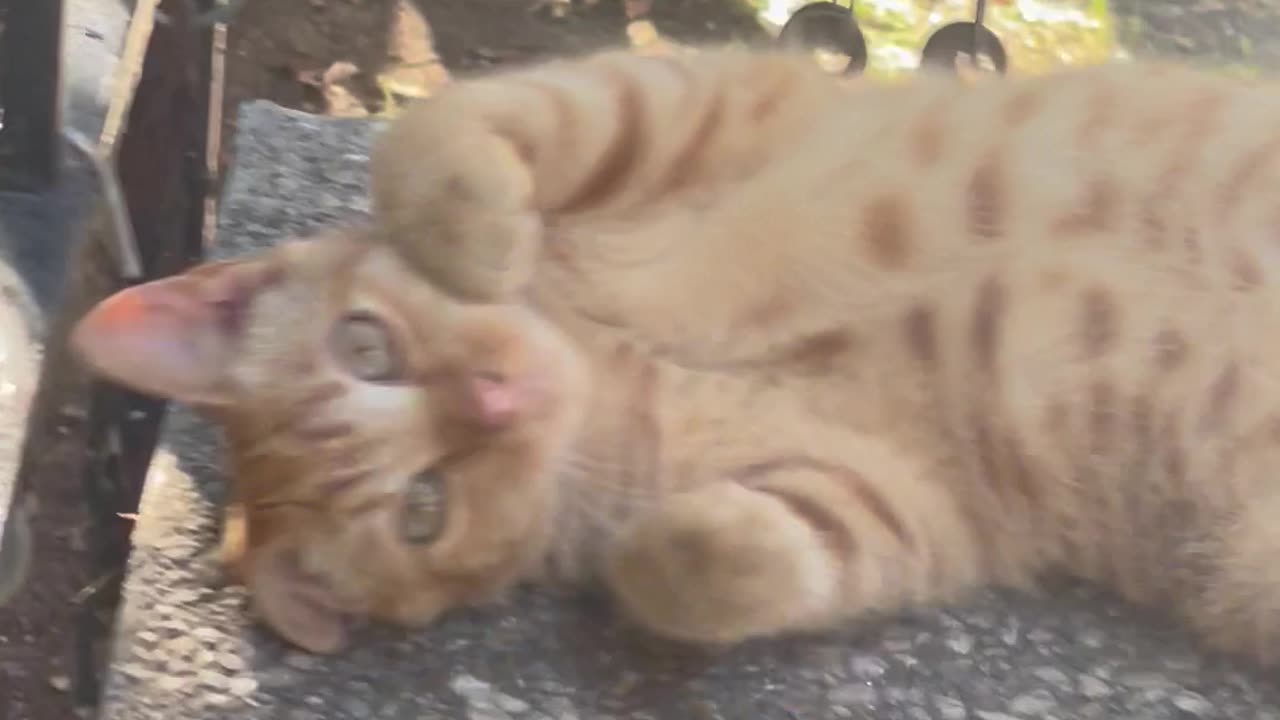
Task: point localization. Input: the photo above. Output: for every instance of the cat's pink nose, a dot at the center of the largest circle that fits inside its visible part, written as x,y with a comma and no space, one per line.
497,399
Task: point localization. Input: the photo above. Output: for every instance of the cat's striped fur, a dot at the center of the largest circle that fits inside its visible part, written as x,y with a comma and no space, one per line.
773,351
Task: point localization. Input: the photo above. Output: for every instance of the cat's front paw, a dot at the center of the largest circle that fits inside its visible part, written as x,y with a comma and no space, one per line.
722,564
455,200
478,250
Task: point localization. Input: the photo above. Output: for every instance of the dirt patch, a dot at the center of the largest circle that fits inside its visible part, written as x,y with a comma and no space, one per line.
280,49
475,34
272,45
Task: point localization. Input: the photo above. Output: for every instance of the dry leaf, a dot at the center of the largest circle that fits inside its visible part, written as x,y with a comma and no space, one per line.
338,72
338,100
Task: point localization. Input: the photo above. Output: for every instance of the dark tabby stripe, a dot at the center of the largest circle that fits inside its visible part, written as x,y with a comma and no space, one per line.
828,522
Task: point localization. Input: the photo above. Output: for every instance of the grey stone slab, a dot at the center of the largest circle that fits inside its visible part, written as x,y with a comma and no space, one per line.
185,650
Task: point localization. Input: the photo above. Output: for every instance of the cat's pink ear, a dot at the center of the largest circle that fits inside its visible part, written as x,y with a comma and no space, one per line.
173,337
298,607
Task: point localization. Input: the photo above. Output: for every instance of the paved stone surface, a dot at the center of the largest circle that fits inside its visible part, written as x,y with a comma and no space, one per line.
1206,32
186,650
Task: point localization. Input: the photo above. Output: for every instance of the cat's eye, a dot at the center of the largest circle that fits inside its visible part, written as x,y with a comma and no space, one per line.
362,344
424,508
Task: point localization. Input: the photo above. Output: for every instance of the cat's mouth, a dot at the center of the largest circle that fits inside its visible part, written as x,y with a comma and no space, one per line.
423,516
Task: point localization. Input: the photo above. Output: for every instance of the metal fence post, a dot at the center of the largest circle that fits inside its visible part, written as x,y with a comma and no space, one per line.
30,94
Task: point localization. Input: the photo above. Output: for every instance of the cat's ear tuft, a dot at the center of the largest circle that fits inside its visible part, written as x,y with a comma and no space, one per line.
172,337
300,608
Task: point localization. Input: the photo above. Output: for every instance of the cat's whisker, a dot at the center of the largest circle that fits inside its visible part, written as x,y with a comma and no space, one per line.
590,482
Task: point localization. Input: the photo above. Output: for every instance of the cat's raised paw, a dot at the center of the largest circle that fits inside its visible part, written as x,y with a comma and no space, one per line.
456,202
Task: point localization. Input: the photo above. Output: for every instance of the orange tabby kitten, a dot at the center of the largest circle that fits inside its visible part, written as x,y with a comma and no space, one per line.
761,351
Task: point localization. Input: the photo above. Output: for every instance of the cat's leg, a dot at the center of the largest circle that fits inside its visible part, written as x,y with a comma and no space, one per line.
794,542
462,182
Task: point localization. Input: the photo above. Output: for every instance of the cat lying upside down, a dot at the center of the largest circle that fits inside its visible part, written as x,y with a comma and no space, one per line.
760,351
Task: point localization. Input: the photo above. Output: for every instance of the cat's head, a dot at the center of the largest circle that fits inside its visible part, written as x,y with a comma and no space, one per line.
348,387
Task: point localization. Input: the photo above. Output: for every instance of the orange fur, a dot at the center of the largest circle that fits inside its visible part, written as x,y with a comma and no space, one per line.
766,352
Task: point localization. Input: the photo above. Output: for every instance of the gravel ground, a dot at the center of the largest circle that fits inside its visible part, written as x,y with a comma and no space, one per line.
1240,33
186,650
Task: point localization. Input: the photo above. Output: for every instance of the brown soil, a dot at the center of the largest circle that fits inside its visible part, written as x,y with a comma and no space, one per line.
38,627
272,44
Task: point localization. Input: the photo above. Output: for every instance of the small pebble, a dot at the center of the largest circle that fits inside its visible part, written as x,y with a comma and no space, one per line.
1091,638
868,667
172,682
1033,704
242,686
961,643
1145,681
919,713
1093,711
137,671
1093,688
61,683
301,661
214,679
897,646
1040,636
486,712
904,695
1193,703
231,662
950,708
510,704
184,596
181,646
1055,677
560,708
357,708
853,694
163,610
468,686
276,677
